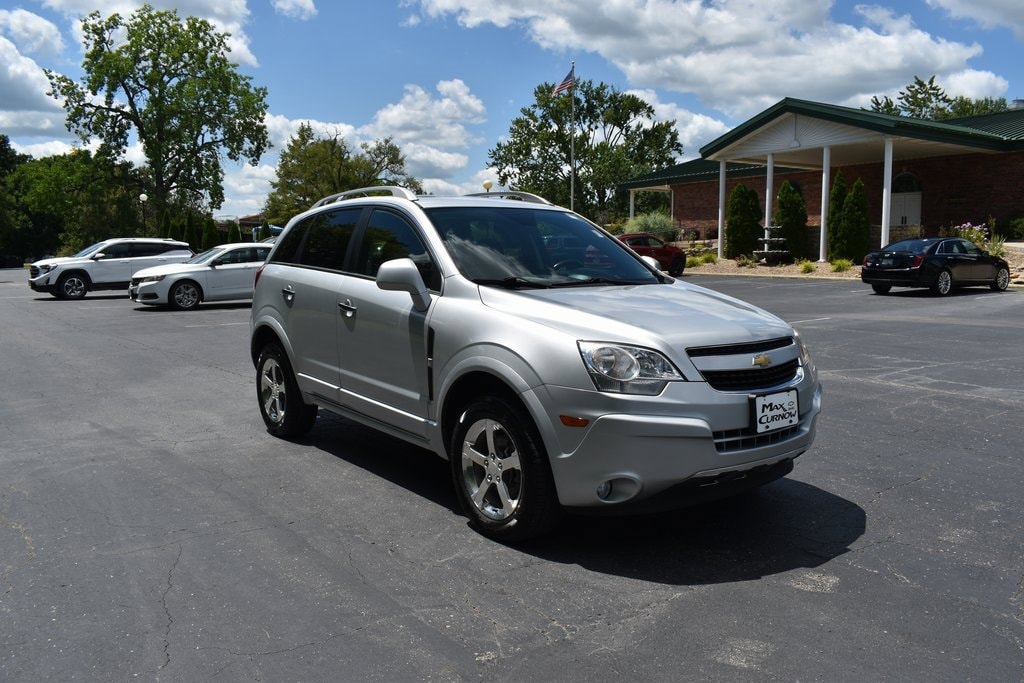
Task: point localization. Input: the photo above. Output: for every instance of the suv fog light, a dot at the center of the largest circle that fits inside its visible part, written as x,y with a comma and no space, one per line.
604,489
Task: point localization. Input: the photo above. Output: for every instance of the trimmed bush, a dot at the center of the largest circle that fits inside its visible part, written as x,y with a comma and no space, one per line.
841,265
742,226
791,217
836,198
807,266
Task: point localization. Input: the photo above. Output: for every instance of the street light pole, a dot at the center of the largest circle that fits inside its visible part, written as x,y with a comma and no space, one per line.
142,200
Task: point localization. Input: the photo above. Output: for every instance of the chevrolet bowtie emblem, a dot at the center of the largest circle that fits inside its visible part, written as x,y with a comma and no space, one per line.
761,360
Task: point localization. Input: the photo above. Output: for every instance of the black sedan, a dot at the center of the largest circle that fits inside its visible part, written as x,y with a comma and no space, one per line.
939,263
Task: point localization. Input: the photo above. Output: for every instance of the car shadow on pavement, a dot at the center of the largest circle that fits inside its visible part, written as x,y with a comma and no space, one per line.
778,528
784,526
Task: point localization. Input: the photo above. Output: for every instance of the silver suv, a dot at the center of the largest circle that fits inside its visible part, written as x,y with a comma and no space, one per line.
109,264
549,383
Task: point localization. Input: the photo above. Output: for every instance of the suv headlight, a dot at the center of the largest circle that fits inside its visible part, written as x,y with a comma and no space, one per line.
624,369
152,278
805,355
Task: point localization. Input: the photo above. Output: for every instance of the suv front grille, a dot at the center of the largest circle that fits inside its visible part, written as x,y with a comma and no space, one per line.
33,272
752,379
735,349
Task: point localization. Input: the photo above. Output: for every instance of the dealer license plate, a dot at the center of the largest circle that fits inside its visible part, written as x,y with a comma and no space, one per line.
776,411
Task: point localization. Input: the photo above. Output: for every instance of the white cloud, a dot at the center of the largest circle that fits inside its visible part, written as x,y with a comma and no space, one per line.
975,84
31,33
695,130
428,119
986,13
425,161
295,9
737,56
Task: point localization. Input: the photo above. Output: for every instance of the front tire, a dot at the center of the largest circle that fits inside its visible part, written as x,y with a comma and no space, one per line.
71,286
280,400
184,296
1002,280
881,289
943,283
501,471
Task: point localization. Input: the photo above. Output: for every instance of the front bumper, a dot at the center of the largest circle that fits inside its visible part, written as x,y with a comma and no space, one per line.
708,441
148,293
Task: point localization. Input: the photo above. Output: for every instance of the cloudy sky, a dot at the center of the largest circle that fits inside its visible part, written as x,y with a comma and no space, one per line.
445,78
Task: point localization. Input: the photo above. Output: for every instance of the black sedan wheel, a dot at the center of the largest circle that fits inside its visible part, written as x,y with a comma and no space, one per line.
881,289
1002,280
943,283
501,472
678,265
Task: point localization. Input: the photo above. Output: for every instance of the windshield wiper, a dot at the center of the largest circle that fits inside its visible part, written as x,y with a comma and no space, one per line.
513,282
599,281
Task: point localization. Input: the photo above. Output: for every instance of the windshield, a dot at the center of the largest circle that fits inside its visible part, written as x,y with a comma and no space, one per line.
89,251
206,256
528,247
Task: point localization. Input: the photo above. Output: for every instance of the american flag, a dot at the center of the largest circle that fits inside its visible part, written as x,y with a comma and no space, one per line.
566,83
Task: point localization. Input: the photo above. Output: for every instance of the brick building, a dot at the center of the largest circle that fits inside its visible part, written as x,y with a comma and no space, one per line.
919,175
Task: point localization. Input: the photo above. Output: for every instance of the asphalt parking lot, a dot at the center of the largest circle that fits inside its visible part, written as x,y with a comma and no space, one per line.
151,529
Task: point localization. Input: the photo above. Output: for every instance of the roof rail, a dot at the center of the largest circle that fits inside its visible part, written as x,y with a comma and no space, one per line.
392,190
512,194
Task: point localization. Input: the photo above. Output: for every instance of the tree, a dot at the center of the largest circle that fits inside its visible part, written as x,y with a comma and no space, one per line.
836,197
11,219
313,167
742,222
190,236
613,135
927,100
856,240
262,232
234,233
73,200
210,234
170,82
791,217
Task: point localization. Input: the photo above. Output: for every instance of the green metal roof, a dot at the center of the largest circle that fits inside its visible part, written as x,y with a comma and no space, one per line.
696,171
967,132
1000,132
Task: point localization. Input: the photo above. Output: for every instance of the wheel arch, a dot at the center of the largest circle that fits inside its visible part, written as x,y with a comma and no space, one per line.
461,393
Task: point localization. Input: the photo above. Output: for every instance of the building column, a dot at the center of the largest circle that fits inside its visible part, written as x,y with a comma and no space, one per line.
632,203
886,192
721,209
826,167
769,193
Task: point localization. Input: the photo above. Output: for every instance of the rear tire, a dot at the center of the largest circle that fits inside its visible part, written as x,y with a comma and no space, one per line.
501,471
943,283
280,400
1002,280
677,266
881,289
71,286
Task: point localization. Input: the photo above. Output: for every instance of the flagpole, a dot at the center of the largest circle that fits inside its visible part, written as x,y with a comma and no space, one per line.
572,139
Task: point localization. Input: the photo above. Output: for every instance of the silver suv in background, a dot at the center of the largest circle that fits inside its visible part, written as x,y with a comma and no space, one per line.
105,265
550,383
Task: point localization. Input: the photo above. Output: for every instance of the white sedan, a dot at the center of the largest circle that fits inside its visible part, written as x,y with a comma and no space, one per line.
223,273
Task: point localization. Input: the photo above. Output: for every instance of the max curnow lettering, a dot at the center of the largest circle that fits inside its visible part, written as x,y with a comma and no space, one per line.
773,413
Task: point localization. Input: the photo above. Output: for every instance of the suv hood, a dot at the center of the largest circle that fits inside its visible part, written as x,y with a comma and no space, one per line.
679,314
57,260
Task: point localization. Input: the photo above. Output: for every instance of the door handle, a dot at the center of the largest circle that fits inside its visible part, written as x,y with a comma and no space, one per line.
348,307
288,293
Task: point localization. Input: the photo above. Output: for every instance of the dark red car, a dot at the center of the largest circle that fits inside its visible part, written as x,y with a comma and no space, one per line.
671,259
